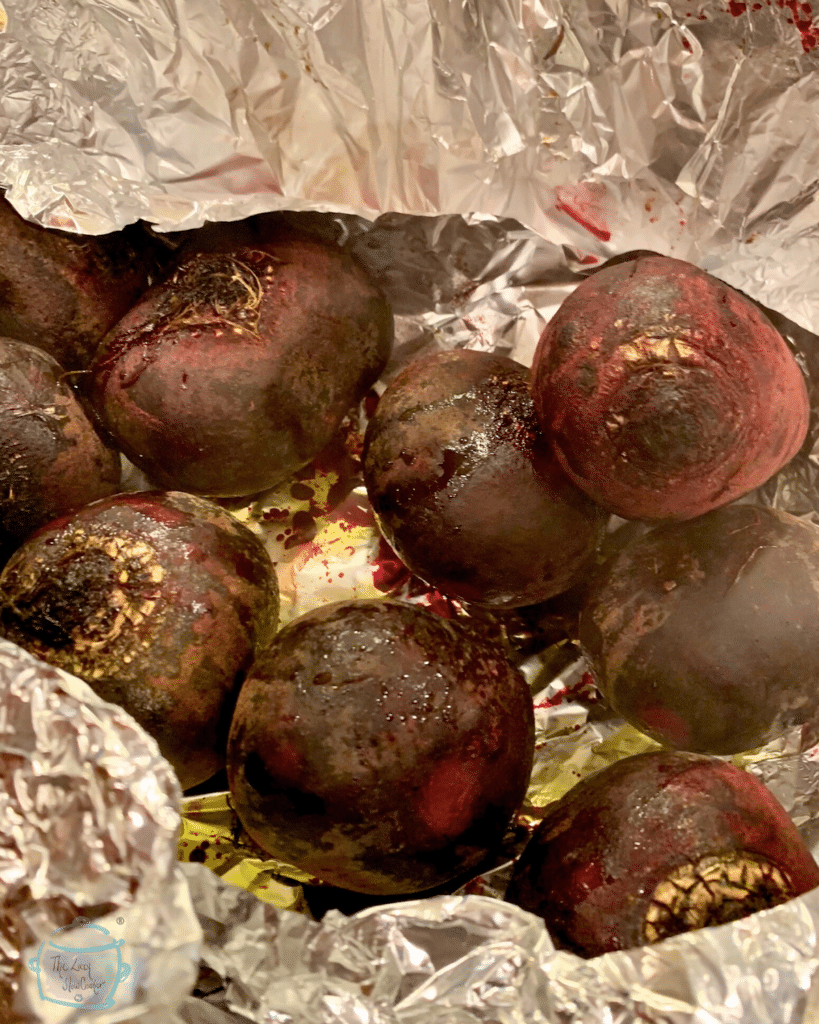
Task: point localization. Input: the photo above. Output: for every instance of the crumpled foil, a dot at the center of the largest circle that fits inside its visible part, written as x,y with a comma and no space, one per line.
89,815
687,126
480,157
470,959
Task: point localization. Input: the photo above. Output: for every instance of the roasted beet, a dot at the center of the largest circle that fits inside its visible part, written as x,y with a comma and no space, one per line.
655,845
62,292
665,392
53,459
705,634
237,370
380,747
157,601
465,488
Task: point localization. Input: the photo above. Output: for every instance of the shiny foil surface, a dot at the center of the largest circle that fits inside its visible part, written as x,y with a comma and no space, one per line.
469,959
687,126
480,157
89,813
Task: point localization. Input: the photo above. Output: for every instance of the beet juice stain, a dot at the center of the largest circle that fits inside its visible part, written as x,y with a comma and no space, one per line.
341,458
393,578
586,208
801,16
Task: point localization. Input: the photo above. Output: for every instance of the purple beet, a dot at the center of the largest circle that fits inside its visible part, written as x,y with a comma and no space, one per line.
665,392
158,601
53,458
238,369
62,292
466,489
380,747
705,634
655,845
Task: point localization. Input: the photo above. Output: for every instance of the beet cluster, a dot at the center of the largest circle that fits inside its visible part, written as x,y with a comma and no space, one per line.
665,396
377,746
218,366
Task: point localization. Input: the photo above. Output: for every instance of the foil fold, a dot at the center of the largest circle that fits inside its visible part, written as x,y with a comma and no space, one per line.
89,816
470,959
601,126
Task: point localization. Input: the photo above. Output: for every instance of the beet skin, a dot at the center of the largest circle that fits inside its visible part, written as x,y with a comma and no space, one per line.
62,292
666,393
157,601
380,747
237,369
705,634
466,489
655,845
53,458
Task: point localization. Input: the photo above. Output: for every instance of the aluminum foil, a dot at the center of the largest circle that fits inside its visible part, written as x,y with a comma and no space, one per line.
687,126
480,157
89,816
470,959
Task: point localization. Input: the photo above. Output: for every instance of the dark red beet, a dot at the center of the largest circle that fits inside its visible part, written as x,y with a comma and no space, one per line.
465,488
705,634
380,747
157,601
62,292
238,369
665,392
655,845
53,459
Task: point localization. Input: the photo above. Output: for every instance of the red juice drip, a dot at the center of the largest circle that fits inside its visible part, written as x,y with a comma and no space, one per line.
587,225
275,513
390,574
393,578
441,605
370,403
305,528
353,512
584,689
801,17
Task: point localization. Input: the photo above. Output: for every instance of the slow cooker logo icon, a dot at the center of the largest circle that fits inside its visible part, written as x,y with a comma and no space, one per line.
80,966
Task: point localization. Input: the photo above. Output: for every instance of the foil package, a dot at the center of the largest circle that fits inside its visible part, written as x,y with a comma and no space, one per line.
89,814
480,157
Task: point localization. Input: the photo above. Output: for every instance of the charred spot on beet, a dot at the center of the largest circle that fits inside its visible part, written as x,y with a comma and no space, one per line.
53,616
138,595
665,393
655,845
